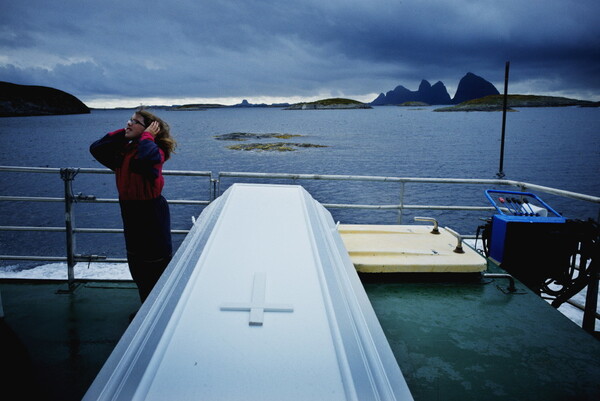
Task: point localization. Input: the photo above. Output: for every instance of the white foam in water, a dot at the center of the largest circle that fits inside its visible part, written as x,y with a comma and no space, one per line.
58,271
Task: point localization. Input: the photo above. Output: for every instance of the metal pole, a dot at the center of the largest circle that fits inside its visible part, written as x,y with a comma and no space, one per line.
213,188
591,299
67,175
401,209
504,107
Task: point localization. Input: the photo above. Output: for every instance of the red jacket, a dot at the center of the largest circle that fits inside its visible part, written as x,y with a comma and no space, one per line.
137,164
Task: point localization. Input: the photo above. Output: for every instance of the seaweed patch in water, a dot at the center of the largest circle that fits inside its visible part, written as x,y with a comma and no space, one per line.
244,136
265,147
274,146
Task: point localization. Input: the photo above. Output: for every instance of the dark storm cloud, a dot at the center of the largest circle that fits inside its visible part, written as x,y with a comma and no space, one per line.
303,48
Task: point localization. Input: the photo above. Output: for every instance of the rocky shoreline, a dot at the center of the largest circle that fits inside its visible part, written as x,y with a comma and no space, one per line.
330,104
22,101
496,103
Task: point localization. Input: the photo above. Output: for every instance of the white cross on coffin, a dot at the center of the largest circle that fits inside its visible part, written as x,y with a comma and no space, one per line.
257,306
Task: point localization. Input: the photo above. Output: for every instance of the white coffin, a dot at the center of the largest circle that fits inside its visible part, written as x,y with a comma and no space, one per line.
261,302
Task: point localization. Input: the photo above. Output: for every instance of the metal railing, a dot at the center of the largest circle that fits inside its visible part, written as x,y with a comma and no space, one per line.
68,175
522,186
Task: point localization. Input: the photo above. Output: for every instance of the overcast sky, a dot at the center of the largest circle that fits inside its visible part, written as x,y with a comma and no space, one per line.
125,53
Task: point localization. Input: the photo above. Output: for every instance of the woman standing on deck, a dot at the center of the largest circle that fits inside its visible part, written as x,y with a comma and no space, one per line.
136,154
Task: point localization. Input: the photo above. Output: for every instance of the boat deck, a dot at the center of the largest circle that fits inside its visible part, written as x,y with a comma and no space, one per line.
54,343
454,339
471,340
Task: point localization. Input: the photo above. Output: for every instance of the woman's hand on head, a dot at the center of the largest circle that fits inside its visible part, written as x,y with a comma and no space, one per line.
153,128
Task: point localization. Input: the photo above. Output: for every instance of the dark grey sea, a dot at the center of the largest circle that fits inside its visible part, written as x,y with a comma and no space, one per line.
557,147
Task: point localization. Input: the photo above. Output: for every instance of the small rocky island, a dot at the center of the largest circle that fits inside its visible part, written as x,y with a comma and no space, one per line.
330,104
496,103
22,100
262,146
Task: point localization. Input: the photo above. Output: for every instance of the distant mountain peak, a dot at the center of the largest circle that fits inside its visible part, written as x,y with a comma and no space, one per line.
470,87
425,85
436,94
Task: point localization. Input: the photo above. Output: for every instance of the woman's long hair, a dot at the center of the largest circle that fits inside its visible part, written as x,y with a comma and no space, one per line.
163,139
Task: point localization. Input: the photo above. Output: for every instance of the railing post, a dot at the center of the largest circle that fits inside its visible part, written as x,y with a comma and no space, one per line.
68,175
213,188
591,299
400,211
217,187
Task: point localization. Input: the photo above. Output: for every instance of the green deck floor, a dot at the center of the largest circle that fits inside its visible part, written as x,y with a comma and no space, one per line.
471,341
453,340
67,337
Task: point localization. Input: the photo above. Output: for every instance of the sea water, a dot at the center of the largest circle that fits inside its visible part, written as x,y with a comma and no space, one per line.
558,147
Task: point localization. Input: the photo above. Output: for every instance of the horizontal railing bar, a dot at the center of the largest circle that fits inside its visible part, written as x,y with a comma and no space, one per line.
98,200
19,169
114,260
519,184
560,192
98,259
414,207
364,178
59,259
188,173
115,231
30,228
98,230
442,207
31,199
77,230
188,202
170,201
34,258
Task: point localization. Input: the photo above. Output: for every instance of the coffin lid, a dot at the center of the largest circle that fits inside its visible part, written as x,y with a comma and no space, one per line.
260,302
